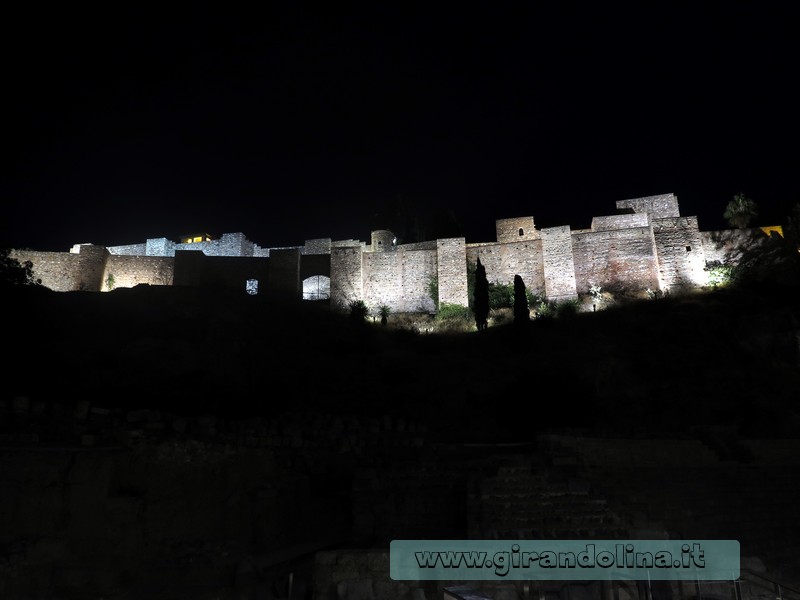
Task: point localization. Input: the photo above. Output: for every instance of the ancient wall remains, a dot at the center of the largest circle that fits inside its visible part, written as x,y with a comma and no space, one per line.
681,259
504,260
346,275
128,271
160,247
559,264
58,271
399,279
129,250
452,271
658,207
649,246
615,259
318,246
612,222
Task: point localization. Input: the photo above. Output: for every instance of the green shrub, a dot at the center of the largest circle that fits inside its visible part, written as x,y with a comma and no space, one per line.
448,312
719,275
358,310
501,295
567,308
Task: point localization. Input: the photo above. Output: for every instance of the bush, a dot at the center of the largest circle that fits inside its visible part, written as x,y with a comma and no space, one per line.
358,310
501,295
449,312
567,308
719,275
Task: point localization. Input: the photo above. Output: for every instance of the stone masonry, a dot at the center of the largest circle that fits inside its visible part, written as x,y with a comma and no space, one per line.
647,246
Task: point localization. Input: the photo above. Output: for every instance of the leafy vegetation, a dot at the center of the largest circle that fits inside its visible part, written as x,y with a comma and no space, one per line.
740,211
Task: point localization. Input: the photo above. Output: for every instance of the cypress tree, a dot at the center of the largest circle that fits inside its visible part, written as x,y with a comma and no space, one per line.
521,312
480,305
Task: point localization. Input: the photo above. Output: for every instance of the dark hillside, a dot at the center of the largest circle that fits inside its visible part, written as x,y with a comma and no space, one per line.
727,358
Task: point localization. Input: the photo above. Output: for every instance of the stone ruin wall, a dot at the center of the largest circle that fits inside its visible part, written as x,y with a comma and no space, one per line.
504,260
648,247
80,269
662,206
399,279
58,271
129,271
681,258
346,275
559,264
452,271
617,253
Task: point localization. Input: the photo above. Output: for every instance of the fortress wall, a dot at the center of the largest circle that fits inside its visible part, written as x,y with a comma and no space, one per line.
620,222
91,263
347,243
430,245
260,252
508,229
503,261
318,246
399,279
346,275
419,267
230,244
129,250
681,259
559,264
160,247
129,271
59,271
615,259
658,207
383,280
452,271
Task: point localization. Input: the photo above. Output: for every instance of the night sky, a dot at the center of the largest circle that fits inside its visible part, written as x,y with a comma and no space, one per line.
290,124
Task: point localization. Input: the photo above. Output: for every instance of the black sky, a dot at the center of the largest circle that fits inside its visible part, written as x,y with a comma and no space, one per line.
291,123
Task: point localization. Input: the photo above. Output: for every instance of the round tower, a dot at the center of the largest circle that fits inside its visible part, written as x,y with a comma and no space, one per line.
383,240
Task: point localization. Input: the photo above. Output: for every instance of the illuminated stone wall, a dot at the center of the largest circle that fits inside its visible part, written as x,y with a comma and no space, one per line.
649,246
615,259
503,261
559,265
128,271
658,207
130,250
59,271
399,279
681,259
452,271
346,275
